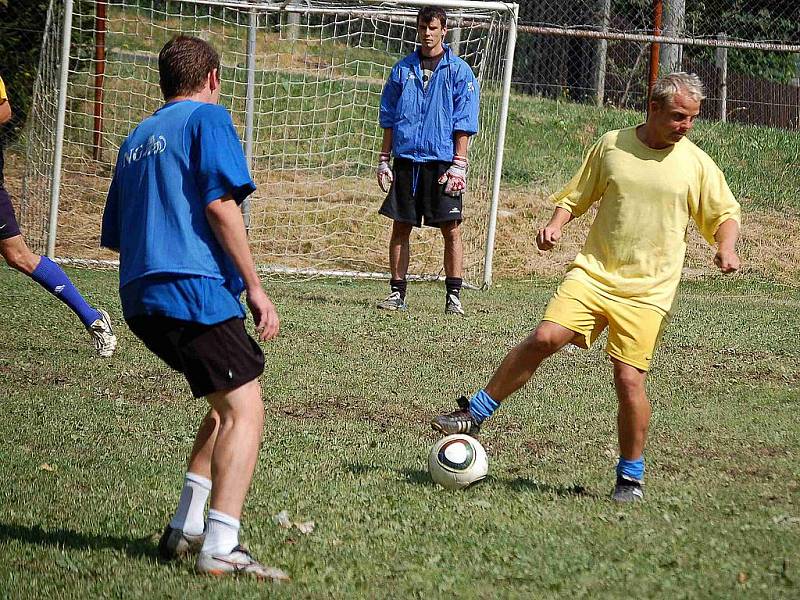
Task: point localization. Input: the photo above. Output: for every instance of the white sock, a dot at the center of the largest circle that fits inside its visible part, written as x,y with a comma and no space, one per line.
192,505
222,533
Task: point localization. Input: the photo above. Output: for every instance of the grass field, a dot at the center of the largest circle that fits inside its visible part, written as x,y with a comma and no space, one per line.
92,453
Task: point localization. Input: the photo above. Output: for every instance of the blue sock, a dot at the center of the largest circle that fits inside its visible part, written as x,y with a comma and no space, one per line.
52,278
481,405
631,469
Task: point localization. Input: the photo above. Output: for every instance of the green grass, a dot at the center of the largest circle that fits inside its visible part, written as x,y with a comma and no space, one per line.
349,391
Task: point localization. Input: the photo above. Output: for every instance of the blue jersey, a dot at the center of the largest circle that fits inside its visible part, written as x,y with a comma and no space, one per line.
169,169
424,119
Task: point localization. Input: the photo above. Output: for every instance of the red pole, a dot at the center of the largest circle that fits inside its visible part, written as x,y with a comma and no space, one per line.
99,72
658,11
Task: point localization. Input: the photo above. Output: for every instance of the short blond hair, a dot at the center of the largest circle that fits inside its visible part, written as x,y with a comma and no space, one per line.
666,87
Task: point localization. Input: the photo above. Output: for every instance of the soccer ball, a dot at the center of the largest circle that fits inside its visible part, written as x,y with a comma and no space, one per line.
457,461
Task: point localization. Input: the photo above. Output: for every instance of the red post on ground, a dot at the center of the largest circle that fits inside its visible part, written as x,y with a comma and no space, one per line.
655,47
99,73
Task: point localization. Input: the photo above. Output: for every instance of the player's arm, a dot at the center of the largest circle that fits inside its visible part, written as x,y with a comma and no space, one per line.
726,237
461,143
550,234
225,219
456,176
387,117
384,170
585,188
5,111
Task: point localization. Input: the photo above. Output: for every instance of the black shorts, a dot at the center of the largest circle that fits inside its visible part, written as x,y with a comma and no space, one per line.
213,358
8,221
417,197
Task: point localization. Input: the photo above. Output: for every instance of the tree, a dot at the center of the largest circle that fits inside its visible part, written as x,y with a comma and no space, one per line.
21,30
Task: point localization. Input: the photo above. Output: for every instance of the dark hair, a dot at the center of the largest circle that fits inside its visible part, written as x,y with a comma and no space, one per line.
427,14
183,65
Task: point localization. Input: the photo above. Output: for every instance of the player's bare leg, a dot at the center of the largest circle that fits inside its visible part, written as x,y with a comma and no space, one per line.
234,455
18,256
453,266
633,420
233,460
185,532
633,416
399,253
453,249
517,368
399,249
521,362
203,448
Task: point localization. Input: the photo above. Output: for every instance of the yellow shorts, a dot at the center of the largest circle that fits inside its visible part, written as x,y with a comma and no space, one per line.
633,332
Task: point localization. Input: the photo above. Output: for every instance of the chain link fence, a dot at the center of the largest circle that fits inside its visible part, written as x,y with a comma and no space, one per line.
601,51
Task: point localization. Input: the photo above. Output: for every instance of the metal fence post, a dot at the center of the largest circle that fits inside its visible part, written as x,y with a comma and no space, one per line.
250,105
602,56
721,56
58,149
501,139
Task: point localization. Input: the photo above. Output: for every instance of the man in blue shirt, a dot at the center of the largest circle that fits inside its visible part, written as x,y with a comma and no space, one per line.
173,214
429,109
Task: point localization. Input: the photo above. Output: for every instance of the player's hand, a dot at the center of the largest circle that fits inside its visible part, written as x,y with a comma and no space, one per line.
264,314
727,261
384,173
548,237
455,178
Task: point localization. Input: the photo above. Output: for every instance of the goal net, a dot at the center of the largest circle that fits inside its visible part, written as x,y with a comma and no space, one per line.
302,80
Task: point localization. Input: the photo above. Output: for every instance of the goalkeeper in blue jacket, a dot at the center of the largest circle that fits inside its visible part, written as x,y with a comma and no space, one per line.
429,110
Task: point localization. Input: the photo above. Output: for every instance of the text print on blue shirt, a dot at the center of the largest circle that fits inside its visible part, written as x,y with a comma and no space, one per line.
152,147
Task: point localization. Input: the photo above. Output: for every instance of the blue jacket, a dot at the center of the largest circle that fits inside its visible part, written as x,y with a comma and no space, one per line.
423,122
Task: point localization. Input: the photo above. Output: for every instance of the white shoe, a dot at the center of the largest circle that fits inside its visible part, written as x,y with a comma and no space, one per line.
105,342
393,302
238,562
452,306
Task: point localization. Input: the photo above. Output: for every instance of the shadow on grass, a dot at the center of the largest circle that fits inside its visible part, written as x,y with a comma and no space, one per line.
520,484
413,476
66,538
523,484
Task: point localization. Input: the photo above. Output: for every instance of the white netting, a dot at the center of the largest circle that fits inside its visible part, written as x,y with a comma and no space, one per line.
317,73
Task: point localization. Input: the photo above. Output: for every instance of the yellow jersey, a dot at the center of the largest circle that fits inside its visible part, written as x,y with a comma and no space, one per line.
636,246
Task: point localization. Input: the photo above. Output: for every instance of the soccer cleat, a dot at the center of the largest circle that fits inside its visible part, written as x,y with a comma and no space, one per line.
238,562
105,342
174,544
452,305
458,421
393,302
627,490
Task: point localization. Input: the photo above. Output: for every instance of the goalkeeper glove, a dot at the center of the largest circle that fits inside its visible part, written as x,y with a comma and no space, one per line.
384,172
455,177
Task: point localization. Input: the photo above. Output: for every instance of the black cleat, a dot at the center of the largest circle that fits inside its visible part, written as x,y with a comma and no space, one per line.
627,490
175,544
458,421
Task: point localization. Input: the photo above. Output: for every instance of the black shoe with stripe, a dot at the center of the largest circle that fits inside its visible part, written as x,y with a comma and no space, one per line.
627,490
458,421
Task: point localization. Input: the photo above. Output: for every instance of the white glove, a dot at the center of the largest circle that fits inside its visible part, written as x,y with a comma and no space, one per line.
384,172
456,176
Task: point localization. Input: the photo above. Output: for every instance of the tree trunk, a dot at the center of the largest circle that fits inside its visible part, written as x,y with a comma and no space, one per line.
671,57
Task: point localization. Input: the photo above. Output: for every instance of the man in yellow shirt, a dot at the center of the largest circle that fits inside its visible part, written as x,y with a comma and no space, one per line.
648,181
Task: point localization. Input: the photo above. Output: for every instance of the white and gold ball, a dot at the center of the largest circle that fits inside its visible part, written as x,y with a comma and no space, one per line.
457,461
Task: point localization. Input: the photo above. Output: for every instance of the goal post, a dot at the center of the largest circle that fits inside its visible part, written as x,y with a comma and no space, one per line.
302,80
